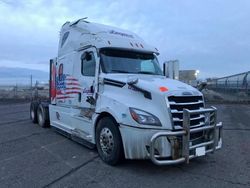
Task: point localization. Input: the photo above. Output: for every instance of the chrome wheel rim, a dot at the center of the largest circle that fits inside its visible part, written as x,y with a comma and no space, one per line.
40,118
32,114
106,141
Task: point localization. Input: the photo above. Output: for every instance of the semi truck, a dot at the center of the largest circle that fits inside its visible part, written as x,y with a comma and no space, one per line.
108,91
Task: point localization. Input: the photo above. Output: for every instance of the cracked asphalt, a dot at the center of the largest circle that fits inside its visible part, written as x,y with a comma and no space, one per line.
31,156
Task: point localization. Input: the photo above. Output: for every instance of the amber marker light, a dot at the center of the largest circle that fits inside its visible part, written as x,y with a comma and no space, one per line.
163,89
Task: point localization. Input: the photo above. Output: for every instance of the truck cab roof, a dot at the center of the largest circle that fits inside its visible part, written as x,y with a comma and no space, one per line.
81,33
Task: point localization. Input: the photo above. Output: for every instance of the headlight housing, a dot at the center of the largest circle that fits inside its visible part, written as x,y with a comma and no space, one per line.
144,118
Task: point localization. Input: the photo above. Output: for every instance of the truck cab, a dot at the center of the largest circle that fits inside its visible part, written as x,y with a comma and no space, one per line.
107,90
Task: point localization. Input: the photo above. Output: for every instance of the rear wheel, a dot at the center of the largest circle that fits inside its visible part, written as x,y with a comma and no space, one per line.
42,116
33,112
108,141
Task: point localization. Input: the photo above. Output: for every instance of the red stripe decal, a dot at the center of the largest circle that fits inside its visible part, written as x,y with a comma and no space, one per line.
65,97
73,88
74,84
72,92
72,79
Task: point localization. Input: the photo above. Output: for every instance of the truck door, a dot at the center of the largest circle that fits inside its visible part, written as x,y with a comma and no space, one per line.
84,70
88,65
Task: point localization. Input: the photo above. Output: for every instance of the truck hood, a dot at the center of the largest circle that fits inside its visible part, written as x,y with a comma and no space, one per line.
153,83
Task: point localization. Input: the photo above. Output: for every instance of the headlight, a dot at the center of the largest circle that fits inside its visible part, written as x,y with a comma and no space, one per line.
144,118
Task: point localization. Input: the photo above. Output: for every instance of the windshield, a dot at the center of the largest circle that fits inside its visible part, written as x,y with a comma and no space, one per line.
120,61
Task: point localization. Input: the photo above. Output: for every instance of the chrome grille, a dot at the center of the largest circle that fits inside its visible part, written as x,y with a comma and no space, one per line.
178,103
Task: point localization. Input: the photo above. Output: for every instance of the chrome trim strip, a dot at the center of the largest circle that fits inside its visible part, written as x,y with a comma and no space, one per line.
178,119
187,103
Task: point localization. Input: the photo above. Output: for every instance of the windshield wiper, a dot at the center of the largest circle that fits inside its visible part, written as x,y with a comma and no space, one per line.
146,72
119,71
140,72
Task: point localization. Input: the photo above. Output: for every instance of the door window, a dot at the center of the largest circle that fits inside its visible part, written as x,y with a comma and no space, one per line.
88,64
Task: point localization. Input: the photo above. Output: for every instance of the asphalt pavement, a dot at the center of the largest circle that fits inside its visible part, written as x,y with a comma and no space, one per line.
31,156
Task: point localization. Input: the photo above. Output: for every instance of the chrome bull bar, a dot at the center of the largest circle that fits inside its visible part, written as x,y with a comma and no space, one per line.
214,143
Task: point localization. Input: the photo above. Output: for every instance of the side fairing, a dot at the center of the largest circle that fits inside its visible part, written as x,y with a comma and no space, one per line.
67,86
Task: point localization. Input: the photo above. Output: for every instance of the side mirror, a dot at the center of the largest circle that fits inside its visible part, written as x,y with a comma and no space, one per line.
171,69
87,56
132,80
165,69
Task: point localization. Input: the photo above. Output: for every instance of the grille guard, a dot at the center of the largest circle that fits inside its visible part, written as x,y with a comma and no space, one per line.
185,133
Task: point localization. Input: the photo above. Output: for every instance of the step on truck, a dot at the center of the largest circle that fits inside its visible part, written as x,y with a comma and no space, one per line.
107,90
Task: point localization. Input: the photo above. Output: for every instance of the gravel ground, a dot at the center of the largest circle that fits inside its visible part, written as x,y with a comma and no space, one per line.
31,156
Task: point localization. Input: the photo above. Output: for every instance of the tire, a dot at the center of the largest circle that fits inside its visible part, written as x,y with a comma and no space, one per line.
109,142
42,116
33,112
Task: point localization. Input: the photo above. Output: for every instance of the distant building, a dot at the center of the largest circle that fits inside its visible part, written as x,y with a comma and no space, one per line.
171,68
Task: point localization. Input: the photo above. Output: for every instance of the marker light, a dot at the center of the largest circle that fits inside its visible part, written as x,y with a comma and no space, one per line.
163,89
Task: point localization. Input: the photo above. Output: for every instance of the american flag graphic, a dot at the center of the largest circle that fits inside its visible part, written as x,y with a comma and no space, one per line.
67,87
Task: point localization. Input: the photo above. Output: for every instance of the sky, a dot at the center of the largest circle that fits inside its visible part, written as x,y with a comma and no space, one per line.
212,36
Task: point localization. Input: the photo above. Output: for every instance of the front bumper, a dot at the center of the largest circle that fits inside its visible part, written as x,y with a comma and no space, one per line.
184,150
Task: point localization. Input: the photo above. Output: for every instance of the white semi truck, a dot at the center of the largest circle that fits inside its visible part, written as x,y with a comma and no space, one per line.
107,90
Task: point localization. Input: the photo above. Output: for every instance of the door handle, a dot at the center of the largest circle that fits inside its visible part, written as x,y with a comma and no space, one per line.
79,97
92,89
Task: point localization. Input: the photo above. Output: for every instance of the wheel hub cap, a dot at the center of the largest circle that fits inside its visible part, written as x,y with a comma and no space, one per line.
32,114
40,118
106,141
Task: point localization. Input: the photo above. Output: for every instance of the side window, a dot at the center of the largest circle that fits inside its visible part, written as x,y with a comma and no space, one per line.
88,64
64,38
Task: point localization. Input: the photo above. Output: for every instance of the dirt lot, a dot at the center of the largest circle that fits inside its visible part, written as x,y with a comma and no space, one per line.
34,157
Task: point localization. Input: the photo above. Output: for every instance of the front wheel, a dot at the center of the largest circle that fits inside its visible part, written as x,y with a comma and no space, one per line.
108,141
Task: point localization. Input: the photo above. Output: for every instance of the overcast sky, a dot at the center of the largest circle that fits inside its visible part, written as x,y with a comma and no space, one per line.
210,35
